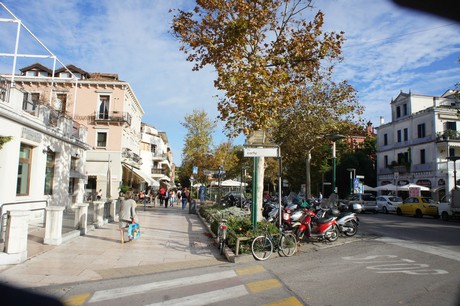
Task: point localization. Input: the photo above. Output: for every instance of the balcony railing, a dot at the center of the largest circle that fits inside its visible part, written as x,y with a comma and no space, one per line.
112,117
159,171
447,135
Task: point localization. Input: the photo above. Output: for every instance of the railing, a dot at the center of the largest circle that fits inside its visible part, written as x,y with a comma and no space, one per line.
4,89
2,214
112,117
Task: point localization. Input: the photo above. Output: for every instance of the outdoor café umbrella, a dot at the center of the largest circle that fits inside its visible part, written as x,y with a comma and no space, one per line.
411,185
387,187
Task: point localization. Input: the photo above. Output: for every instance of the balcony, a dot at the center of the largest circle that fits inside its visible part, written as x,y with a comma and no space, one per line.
130,155
448,135
111,118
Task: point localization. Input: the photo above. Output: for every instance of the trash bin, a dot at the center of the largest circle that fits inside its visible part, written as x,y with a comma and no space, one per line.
192,207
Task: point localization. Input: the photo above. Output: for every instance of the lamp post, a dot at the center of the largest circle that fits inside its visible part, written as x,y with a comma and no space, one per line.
454,159
352,176
334,138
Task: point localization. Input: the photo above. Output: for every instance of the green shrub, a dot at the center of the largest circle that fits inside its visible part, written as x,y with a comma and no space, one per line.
238,222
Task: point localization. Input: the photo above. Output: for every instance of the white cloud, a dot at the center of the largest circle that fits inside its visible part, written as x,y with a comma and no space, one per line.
388,49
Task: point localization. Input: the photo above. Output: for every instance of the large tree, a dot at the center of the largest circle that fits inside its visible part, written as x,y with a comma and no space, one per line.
198,146
262,51
327,108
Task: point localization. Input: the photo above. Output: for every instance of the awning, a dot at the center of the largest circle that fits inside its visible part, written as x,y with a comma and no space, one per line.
146,177
76,174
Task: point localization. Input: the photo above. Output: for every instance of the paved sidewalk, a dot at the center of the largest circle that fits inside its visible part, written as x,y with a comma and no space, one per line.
171,239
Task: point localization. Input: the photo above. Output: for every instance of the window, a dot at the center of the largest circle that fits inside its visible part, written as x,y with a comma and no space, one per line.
385,161
406,134
30,101
404,109
399,136
422,156
421,133
451,125
451,151
60,103
49,172
73,183
153,148
101,139
64,75
32,73
103,107
403,157
385,139
398,112
25,160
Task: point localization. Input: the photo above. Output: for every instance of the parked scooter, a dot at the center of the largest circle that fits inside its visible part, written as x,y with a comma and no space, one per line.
347,221
317,228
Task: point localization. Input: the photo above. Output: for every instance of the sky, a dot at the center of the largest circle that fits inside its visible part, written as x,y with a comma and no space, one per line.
388,49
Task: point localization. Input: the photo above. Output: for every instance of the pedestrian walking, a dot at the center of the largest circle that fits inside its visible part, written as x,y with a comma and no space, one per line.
161,194
202,191
127,214
185,194
166,198
172,197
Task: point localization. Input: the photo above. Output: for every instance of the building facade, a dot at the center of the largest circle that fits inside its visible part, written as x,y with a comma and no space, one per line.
43,162
414,147
156,156
110,110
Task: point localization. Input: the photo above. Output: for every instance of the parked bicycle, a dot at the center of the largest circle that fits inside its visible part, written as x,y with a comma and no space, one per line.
284,242
222,235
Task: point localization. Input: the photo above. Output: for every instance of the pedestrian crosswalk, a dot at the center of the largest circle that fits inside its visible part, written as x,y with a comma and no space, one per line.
249,285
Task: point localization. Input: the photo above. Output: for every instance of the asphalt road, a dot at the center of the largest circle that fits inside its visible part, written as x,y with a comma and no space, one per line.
393,261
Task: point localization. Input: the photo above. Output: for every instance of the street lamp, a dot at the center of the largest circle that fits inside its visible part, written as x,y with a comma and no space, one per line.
352,176
334,138
454,159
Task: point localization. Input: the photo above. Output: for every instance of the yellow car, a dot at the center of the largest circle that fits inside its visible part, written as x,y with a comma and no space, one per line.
418,206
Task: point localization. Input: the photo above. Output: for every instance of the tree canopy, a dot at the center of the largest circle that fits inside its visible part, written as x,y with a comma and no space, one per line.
262,51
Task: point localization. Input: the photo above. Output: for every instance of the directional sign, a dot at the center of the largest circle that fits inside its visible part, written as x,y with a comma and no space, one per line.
260,152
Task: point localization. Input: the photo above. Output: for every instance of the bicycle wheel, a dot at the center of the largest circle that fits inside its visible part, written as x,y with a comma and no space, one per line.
288,244
262,248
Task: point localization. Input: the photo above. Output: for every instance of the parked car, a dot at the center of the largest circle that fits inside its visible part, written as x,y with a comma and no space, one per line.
233,198
367,201
387,204
418,206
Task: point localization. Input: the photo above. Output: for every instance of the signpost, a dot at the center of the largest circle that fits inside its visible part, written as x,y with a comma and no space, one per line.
260,151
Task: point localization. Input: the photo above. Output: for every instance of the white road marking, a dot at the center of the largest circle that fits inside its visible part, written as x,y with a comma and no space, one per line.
208,297
114,293
435,250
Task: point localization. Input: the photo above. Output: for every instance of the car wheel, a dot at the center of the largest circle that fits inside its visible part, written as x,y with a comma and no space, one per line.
399,212
418,213
385,210
445,216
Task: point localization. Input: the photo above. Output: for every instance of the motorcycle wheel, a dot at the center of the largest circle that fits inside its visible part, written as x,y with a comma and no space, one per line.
352,228
333,234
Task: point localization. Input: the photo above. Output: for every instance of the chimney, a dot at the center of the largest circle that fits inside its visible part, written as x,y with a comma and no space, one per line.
382,121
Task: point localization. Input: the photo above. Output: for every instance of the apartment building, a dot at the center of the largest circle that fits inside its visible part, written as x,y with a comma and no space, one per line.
415,145
43,162
109,109
156,155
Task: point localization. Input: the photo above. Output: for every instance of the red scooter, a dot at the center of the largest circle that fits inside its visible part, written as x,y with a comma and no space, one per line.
317,228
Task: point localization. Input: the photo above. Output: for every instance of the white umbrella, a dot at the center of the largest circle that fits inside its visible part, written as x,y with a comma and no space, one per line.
387,187
411,185
369,188
232,183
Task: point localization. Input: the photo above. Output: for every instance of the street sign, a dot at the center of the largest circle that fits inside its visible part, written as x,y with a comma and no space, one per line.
360,177
260,152
195,170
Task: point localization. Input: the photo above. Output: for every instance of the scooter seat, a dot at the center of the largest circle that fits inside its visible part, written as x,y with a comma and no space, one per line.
324,220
